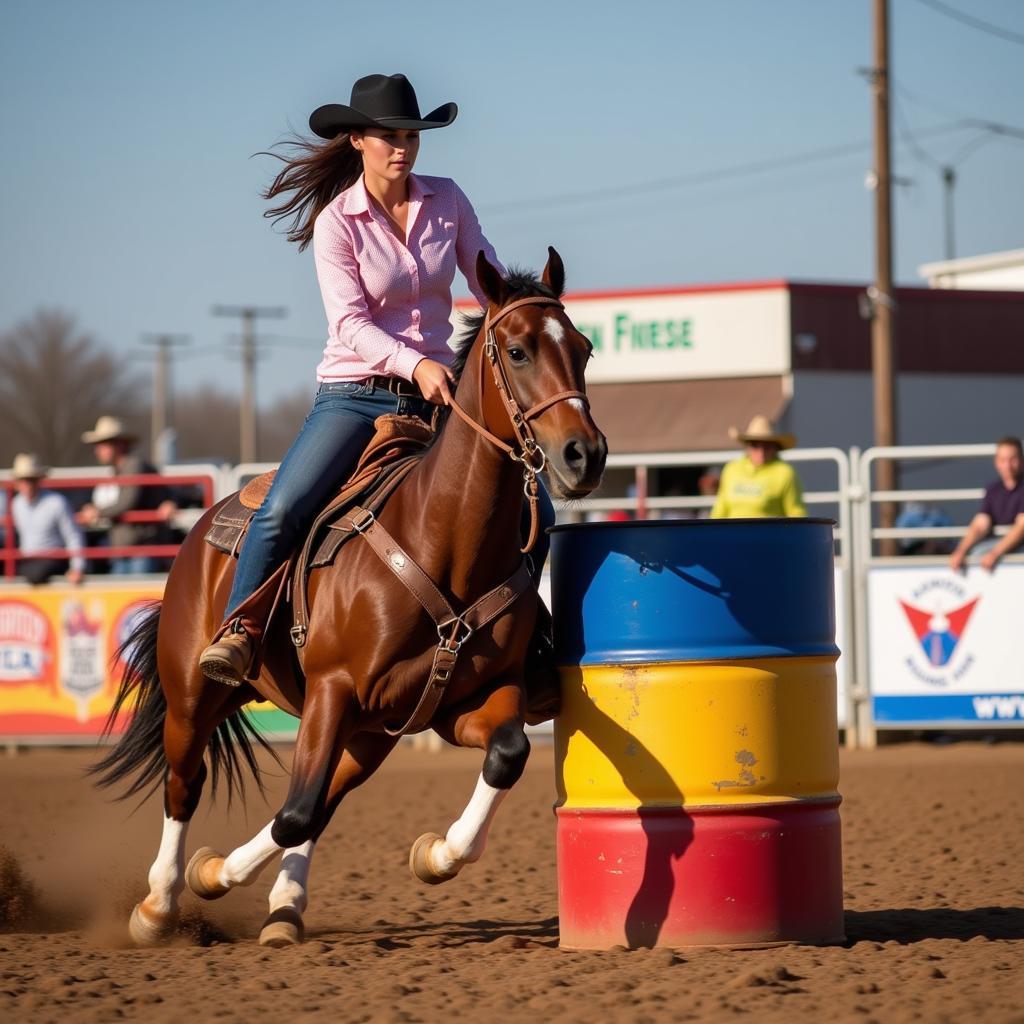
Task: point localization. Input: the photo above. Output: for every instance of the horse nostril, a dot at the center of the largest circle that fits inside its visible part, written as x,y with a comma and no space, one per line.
573,453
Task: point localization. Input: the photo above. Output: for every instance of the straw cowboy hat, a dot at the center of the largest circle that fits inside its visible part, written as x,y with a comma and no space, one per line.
379,101
108,428
761,428
28,467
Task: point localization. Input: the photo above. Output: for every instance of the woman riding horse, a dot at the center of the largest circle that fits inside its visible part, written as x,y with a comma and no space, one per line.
425,617
386,244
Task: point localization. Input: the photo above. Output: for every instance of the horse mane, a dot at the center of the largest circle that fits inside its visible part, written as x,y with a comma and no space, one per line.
522,284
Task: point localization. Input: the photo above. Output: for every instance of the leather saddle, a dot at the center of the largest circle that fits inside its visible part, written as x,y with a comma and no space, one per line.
398,445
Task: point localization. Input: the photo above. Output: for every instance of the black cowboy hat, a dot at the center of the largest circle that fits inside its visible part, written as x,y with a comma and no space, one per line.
379,101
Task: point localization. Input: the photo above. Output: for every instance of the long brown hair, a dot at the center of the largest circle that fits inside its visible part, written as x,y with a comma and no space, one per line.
314,173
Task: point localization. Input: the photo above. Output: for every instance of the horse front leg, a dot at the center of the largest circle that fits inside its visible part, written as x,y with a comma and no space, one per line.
497,728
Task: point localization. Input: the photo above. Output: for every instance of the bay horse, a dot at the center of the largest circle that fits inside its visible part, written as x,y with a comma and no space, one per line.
370,647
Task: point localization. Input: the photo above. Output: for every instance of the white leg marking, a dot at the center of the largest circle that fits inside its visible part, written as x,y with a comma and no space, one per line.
242,866
292,886
467,837
167,875
554,329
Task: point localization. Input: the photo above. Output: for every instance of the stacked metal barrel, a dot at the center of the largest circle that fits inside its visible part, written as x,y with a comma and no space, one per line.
696,752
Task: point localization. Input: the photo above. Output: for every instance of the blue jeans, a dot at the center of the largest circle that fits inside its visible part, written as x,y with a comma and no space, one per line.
134,564
323,456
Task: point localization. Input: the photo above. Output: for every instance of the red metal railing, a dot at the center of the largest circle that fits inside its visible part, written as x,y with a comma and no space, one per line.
10,555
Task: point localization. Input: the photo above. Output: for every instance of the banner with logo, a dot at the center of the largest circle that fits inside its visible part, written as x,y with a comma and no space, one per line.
58,671
943,647
684,334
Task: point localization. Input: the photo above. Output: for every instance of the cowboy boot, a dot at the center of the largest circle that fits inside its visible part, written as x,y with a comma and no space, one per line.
227,660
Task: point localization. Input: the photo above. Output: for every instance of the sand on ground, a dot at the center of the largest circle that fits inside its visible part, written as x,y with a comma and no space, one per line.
933,845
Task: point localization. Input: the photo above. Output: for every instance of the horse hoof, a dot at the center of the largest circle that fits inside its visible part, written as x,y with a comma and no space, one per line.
202,874
419,860
282,928
149,929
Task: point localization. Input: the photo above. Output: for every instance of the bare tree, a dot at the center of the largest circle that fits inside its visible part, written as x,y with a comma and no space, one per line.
206,422
54,383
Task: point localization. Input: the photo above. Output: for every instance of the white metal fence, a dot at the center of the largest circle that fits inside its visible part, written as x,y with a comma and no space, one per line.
923,647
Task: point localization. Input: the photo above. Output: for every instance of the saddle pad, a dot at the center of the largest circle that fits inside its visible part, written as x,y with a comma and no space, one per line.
395,436
398,439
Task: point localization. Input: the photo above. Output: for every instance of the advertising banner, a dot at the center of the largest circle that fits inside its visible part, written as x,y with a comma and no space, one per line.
58,671
56,648
694,334
943,647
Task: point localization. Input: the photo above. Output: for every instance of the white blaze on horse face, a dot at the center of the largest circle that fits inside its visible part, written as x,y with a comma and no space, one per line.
467,837
577,404
167,875
242,866
554,330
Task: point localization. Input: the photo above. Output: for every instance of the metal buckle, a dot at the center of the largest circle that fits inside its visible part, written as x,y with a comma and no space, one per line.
453,643
298,635
365,520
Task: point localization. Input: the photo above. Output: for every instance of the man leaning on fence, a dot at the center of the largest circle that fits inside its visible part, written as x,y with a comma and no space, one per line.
43,521
113,446
1003,505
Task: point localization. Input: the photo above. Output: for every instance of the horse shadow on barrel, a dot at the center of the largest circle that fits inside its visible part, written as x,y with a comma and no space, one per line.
667,836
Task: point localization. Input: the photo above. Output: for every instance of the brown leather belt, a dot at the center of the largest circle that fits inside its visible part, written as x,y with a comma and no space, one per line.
397,386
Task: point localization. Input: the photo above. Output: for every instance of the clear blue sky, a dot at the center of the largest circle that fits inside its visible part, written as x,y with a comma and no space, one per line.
130,193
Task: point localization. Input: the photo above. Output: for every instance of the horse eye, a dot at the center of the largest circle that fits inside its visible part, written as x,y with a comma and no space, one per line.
517,355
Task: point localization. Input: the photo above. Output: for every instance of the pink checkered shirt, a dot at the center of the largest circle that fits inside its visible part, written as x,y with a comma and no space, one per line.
389,305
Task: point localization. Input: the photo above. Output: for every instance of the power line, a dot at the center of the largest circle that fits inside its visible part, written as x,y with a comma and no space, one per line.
701,177
968,19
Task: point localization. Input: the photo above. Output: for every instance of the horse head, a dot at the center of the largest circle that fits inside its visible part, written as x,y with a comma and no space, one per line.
535,397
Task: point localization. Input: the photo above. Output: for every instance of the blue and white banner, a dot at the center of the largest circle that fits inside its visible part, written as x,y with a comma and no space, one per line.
944,647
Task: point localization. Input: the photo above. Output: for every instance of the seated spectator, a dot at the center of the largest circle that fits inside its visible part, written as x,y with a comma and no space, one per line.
43,521
759,485
1003,505
113,445
915,515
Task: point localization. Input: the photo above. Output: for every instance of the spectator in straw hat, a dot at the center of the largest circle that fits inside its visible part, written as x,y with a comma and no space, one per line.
759,485
113,446
43,521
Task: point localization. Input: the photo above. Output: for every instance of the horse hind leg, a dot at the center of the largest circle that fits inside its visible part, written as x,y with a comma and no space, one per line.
290,894
186,738
318,751
497,727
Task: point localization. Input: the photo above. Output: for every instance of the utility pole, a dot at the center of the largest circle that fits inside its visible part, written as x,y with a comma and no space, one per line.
949,181
247,422
884,306
161,412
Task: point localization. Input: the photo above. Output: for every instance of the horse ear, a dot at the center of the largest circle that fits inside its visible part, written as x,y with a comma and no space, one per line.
491,282
554,272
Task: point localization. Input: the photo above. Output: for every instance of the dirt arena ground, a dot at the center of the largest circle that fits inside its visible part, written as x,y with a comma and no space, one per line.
933,838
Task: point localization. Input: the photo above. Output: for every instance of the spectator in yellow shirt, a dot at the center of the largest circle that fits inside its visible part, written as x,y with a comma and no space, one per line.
759,485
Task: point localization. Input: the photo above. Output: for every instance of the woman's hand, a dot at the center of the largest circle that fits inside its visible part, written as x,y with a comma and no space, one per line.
432,378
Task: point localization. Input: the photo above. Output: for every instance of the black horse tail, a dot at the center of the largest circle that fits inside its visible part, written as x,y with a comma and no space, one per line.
140,750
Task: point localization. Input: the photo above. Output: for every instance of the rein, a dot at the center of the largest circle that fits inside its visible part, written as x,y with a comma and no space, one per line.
529,454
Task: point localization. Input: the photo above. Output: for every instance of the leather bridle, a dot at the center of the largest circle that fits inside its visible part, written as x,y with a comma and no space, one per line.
529,453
